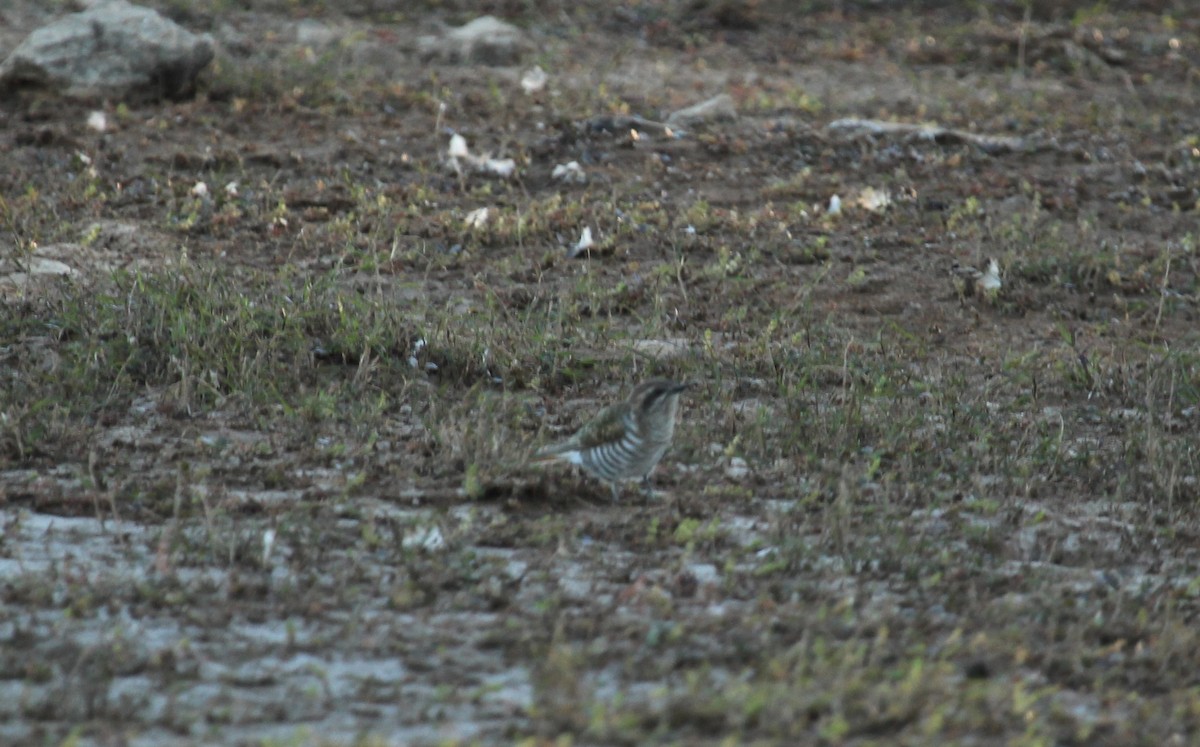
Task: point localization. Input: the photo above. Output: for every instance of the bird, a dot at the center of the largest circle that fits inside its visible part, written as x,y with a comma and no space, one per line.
970,281
626,440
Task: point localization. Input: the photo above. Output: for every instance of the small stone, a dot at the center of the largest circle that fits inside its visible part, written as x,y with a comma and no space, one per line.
737,468
485,41
662,349
704,573
516,569
534,80
428,538
571,173
97,121
718,108
42,266
313,33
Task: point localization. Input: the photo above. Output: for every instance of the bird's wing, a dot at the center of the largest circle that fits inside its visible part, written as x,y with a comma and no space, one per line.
608,425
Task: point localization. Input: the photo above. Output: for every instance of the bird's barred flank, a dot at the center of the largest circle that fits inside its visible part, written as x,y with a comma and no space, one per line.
613,461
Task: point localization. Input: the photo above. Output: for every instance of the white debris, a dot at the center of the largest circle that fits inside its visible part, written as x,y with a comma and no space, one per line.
424,538
989,281
534,80
418,346
585,243
458,147
231,189
874,200
97,121
86,161
459,155
477,218
501,167
571,173
835,205
268,542
199,189
971,281
737,468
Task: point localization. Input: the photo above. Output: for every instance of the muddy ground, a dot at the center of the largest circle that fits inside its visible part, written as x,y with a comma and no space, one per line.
262,453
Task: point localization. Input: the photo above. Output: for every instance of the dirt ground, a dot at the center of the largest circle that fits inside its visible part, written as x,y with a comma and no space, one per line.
263,451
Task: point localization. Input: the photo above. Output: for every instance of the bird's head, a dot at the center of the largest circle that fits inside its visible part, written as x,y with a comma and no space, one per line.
657,398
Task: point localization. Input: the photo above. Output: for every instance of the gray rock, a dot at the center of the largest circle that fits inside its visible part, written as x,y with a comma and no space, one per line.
716,109
111,49
313,33
484,41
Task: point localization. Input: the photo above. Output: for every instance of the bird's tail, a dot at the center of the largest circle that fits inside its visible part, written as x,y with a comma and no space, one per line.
544,456
551,453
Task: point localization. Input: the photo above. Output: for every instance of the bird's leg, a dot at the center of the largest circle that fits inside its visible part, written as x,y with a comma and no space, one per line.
645,486
616,491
